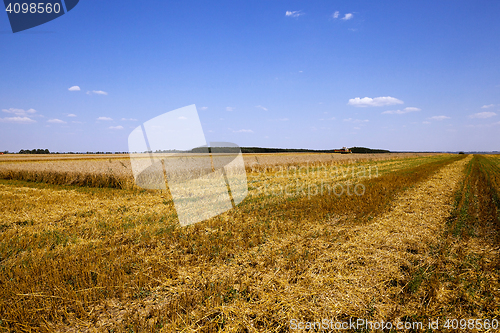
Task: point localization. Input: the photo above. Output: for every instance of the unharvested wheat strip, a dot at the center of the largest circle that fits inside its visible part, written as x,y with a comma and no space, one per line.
116,170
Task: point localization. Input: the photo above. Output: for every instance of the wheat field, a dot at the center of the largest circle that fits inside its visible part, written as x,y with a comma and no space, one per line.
83,249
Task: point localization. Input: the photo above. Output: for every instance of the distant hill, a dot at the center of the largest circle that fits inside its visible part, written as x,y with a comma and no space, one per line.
260,150
363,150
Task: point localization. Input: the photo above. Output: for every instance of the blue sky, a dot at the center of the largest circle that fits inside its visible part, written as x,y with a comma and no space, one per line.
398,75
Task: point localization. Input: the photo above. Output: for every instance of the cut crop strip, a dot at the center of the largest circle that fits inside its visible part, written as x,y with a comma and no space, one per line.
110,261
461,279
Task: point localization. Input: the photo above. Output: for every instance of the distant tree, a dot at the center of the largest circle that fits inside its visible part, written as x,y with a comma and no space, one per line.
461,153
34,151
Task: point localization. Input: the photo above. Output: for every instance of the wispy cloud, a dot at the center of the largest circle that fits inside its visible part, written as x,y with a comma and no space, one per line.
116,127
203,108
229,108
487,106
261,107
104,118
356,121
97,92
20,112
129,119
377,101
19,120
483,115
182,118
336,14
347,16
439,118
405,110
243,131
56,121
295,13
71,115
74,88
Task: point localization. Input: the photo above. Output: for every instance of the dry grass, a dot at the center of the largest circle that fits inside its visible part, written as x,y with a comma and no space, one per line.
74,258
88,259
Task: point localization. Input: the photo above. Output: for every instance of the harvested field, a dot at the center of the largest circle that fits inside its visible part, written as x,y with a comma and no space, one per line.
420,244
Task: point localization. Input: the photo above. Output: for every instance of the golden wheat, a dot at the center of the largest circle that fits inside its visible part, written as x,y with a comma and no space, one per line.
75,258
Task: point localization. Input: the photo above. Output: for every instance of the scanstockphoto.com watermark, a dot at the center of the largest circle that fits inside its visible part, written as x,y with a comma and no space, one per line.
355,324
363,324
291,181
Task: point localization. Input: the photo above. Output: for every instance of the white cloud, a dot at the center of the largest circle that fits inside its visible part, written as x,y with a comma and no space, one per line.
243,131
74,88
104,118
56,121
295,13
405,110
77,122
347,16
336,14
116,127
20,120
129,119
97,92
261,107
203,108
439,118
20,112
356,121
483,115
377,101
426,122
71,115
182,118
487,106
229,108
